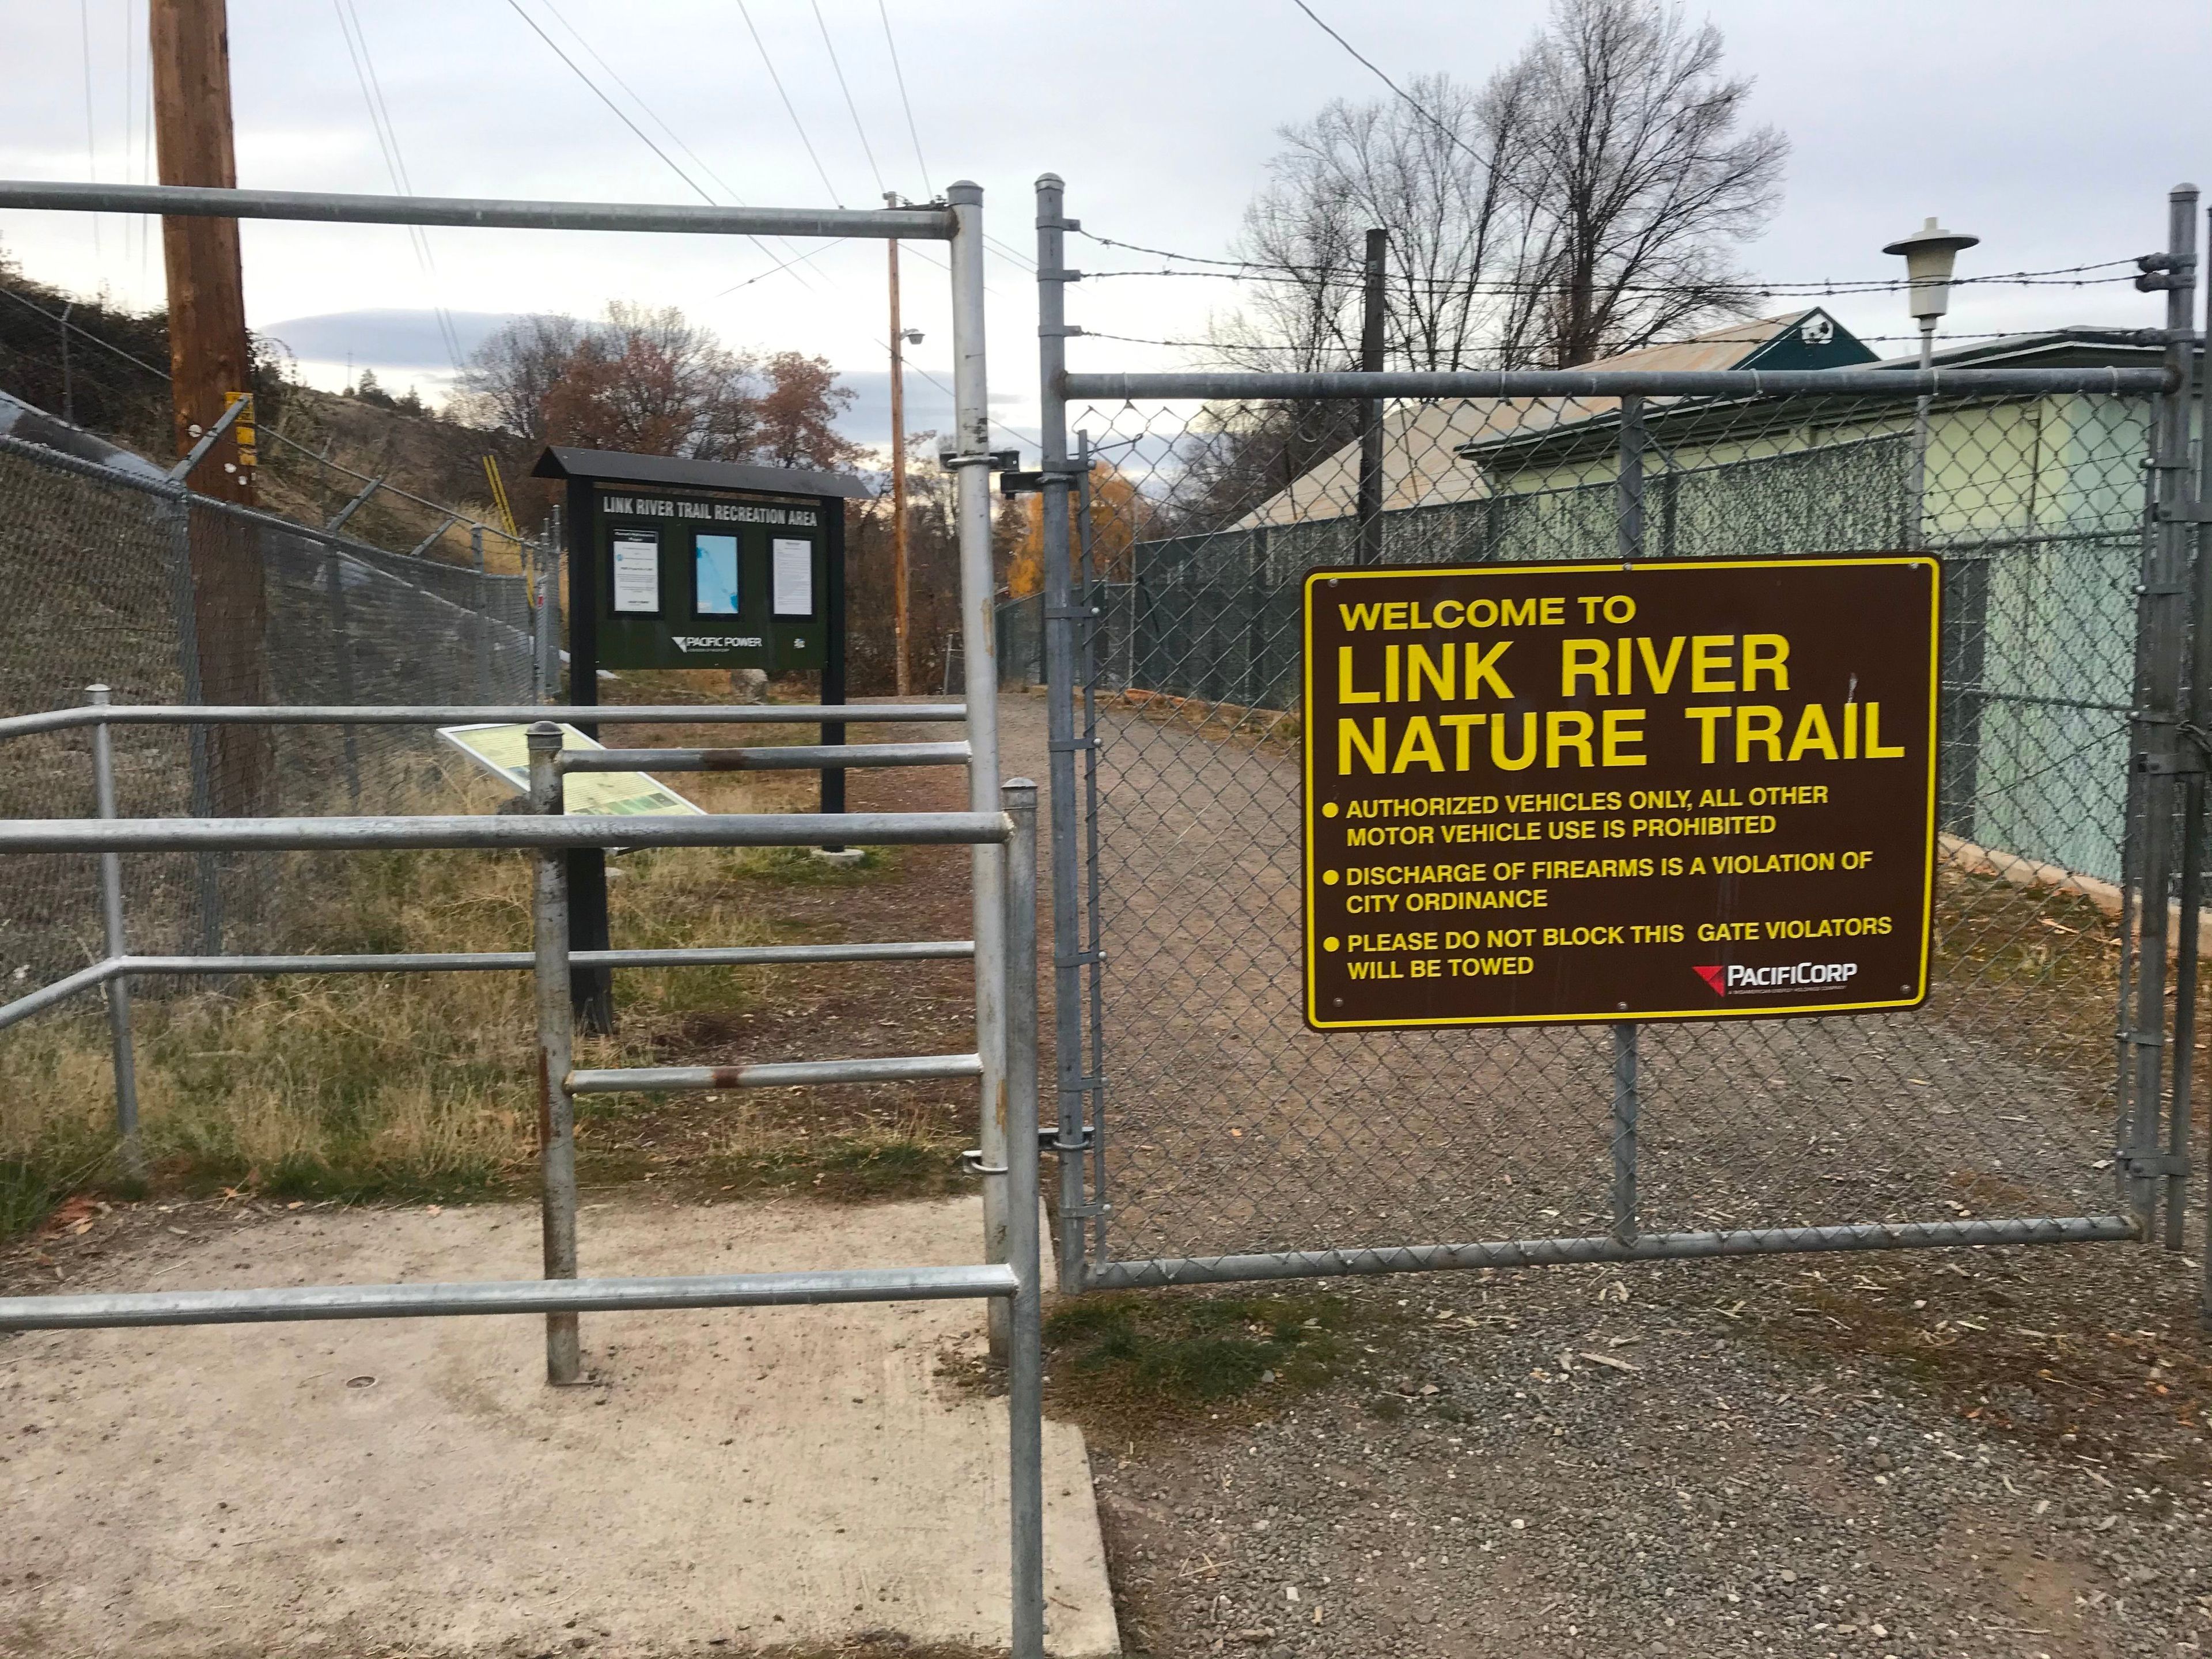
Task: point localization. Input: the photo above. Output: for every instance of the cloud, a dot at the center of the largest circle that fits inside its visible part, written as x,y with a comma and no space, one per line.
386,338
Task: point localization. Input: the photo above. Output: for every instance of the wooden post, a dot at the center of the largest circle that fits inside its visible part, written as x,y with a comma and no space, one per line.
898,473
208,354
208,364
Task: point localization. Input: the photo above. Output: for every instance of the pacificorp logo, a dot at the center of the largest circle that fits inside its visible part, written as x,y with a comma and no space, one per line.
1737,980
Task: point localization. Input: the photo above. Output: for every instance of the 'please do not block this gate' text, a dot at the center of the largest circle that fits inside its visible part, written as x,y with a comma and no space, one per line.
1689,790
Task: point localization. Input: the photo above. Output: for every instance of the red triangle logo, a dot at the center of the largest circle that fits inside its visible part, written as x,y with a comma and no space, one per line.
1716,977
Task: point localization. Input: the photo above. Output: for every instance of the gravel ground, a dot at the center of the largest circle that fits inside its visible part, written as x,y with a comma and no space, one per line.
1973,1453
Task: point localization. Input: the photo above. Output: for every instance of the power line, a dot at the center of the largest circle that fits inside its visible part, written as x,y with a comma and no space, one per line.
91,143
851,107
1482,160
387,138
899,74
643,138
599,93
788,109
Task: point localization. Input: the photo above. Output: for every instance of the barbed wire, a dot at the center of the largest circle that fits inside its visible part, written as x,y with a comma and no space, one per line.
1695,339
1287,270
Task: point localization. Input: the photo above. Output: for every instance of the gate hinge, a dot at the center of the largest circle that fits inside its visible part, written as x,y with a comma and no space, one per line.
1070,612
1049,1140
2144,1166
1065,745
2143,1039
972,1163
2183,512
1076,958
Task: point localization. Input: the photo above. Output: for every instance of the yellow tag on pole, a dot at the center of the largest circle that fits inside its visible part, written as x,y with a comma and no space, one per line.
242,429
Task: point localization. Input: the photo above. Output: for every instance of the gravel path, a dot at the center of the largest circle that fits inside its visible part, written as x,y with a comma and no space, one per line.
1969,1452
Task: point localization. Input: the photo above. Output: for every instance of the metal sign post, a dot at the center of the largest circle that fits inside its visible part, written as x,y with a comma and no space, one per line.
1618,791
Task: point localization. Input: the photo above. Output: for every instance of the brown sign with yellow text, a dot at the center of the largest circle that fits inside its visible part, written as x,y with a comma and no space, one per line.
1693,790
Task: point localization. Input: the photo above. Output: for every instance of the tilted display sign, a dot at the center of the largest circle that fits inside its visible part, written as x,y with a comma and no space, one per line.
1693,790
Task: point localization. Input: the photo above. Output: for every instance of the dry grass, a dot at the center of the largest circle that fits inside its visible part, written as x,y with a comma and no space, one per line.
394,1086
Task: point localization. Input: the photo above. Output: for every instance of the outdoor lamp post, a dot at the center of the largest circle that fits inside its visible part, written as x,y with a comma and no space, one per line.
1929,254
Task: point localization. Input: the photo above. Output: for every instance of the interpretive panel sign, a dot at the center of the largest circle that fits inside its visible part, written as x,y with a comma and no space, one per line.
1693,790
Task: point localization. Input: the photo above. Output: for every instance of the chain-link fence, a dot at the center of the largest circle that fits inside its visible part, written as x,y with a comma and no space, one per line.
117,578
1227,1139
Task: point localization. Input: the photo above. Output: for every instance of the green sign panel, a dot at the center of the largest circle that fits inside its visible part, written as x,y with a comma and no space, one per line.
699,578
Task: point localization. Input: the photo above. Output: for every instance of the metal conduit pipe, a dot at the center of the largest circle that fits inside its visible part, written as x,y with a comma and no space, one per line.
793,757
522,830
774,1074
565,1295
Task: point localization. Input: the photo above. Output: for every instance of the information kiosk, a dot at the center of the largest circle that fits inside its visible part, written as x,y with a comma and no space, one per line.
696,564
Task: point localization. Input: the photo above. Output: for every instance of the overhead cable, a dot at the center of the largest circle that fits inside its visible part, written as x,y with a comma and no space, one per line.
899,74
851,108
788,108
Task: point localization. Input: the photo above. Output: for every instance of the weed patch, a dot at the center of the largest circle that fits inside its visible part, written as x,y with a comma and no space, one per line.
1159,1350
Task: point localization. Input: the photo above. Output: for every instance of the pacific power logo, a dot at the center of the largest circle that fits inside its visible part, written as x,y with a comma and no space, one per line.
1737,980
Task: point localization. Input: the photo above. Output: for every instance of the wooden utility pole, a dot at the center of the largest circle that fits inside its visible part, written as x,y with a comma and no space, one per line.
209,366
898,467
209,362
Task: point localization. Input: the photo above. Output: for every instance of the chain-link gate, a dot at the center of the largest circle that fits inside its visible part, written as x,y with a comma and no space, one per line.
1208,1134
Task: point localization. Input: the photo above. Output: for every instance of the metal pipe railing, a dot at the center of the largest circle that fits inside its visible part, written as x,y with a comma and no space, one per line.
1647,1247
466,962
773,1074
62,719
793,757
521,829
556,1298
330,207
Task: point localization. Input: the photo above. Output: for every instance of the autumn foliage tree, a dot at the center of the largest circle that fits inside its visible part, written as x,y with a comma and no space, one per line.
1121,517
647,379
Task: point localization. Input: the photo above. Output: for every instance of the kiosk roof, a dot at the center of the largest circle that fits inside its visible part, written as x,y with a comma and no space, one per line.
614,466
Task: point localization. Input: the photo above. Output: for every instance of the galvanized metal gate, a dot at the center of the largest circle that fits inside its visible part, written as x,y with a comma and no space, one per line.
999,826
1205,1134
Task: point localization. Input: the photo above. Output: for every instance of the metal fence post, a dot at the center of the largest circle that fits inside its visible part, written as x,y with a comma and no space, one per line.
115,942
342,657
1060,612
1025,1349
545,633
207,878
557,1108
1093,939
971,462
1627,1105
2197,711
2159,742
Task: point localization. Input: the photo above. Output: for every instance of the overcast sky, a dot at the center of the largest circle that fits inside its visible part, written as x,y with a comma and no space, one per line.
2051,128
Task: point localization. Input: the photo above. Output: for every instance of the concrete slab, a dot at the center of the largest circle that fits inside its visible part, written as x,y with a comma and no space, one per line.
739,1478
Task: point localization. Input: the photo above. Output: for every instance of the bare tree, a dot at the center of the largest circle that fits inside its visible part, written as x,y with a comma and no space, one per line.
510,377
1634,182
1437,174
1583,201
